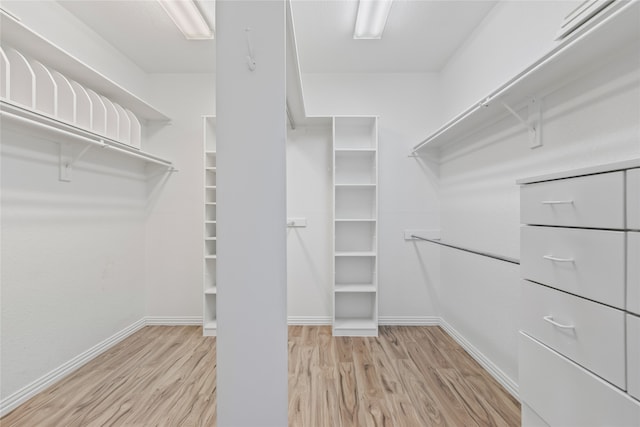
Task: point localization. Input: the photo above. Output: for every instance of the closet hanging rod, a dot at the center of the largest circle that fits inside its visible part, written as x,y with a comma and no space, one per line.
52,128
485,254
101,143
145,157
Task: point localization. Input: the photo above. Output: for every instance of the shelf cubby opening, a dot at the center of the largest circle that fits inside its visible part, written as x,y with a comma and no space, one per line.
355,237
84,107
210,213
355,307
112,119
355,202
46,89
355,270
210,178
210,267
210,230
210,159
66,99
210,247
99,113
210,195
355,132
354,167
22,90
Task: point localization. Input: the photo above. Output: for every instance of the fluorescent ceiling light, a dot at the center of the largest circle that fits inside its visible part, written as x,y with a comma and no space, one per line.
371,19
187,17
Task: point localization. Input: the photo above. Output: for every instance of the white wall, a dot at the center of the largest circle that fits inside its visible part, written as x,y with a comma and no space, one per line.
72,255
309,250
594,120
174,239
408,106
63,29
511,37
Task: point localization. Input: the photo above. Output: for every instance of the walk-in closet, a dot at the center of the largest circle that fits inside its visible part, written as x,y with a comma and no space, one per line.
314,213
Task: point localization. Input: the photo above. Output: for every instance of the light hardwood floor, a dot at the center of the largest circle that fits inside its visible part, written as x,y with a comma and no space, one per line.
165,376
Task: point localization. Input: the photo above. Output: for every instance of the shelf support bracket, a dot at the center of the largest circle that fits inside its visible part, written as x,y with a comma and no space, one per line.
67,160
534,122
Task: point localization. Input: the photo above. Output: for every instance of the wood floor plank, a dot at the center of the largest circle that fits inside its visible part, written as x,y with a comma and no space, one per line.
166,376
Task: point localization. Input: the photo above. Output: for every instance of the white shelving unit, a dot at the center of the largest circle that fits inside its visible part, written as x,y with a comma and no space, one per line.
612,32
355,228
45,90
209,318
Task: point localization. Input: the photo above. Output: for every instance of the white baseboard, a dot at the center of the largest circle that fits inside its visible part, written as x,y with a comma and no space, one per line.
408,320
309,320
14,400
173,320
484,361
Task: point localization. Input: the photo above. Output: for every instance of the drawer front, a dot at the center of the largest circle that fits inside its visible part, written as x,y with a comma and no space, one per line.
633,272
633,199
595,201
633,355
564,394
586,332
589,263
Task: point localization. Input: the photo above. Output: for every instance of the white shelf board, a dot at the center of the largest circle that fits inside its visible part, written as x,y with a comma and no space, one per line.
211,291
17,35
43,125
355,150
355,220
208,239
573,57
355,287
210,153
356,254
211,203
210,257
210,169
210,187
355,324
210,222
349,185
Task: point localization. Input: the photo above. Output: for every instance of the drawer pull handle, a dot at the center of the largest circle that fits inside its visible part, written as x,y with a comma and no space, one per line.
559,325
555,259
557,202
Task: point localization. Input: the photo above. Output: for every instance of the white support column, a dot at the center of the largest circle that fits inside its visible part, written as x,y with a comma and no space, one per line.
251,214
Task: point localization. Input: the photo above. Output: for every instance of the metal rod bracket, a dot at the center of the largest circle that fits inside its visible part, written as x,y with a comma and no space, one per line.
533,123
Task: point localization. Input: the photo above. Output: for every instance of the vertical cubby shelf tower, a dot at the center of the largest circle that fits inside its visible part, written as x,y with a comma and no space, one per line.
355,227
209,318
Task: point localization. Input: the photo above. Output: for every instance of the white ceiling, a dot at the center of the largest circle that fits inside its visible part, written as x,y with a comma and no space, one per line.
420,35
143,32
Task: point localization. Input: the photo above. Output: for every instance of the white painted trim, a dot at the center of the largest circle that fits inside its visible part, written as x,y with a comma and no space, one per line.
497,373
19,397
173,320
409,320
309,320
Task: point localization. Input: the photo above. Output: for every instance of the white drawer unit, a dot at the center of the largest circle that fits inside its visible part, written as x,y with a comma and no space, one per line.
579,360
586,332
584,262
633,355
595,201
633,199
633,272
562,393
